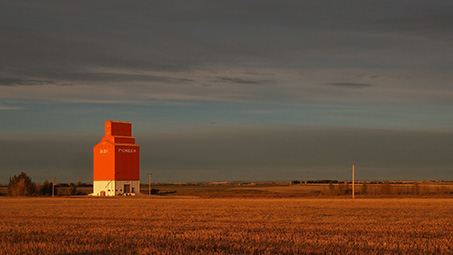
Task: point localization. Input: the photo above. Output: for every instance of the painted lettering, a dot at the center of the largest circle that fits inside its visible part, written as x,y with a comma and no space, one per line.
127,150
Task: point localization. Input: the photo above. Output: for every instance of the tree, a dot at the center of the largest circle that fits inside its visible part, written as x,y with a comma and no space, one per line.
46,189
21,185
73,189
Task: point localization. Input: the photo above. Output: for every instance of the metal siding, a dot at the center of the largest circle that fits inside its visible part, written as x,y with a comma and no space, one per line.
103,161
127,163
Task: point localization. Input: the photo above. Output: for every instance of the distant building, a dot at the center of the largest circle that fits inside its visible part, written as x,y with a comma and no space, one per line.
116,162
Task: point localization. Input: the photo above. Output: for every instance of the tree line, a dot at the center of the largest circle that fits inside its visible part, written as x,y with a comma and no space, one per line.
22,185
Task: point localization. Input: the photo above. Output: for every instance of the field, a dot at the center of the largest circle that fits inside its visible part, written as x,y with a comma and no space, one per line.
284,190
156,225
394,189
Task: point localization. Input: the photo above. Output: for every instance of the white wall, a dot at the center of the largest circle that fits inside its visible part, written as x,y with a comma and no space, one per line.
99,186
114,188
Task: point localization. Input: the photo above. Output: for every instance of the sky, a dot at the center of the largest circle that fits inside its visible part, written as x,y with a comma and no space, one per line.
229,90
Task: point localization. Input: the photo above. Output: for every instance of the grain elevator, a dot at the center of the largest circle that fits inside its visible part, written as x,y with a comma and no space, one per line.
116,162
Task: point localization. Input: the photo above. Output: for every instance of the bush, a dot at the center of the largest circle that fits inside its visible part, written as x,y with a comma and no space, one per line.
21,185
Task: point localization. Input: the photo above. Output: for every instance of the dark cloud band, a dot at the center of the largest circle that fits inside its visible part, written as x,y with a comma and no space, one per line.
350,85
240,80
8,81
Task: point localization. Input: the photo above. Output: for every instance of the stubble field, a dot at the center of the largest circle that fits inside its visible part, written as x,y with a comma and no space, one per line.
142,225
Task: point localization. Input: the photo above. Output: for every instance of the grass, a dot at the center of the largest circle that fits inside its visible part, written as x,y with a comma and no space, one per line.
143,225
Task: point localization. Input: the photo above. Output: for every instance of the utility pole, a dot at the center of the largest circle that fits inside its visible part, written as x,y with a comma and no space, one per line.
149,184
53,186
353,164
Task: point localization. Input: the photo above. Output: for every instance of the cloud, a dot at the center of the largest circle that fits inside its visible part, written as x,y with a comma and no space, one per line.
10,108
120,77
238,80
170,45
350,85
8,81
262,53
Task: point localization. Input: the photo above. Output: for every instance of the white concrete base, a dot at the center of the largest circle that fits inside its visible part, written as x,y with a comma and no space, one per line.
116,188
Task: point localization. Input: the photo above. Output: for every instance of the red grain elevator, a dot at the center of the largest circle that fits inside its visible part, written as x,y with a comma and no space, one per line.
116,162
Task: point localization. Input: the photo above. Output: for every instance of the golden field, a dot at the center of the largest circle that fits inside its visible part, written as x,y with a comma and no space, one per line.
143,225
